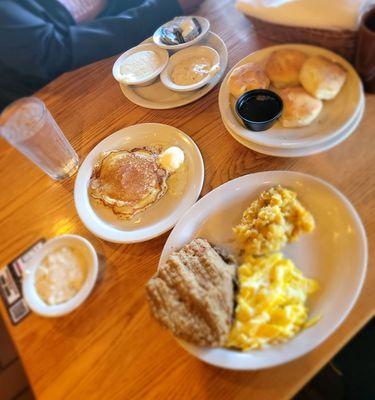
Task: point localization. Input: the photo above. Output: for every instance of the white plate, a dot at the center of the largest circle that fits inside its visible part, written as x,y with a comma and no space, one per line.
335,254
308,150
205,25
161,216
159,97
336,115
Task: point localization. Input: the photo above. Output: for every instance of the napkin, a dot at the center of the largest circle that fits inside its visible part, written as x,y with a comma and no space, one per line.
325,14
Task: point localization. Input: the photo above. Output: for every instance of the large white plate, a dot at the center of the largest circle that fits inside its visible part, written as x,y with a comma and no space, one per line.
336,115
159,97
335,254
161,216
308,150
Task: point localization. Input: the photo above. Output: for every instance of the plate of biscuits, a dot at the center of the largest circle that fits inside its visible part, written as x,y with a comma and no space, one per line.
321,93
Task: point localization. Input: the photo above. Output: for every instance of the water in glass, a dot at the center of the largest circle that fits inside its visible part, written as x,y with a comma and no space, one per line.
30,128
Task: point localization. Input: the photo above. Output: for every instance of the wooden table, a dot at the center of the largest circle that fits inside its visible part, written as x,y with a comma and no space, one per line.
111,348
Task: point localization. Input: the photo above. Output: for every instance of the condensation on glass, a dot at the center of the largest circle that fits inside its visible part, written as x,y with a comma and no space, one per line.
28,126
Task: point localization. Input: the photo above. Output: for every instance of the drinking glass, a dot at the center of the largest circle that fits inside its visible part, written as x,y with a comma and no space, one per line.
28,126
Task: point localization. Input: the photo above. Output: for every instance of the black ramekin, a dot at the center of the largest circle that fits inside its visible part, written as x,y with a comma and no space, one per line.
259,125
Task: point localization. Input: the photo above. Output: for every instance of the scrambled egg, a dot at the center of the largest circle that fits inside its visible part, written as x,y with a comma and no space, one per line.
274,219
271,303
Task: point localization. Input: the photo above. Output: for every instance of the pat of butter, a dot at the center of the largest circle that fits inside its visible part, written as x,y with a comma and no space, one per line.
172,158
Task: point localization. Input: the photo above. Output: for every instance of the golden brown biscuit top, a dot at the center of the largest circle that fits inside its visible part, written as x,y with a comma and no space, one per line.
326,68
283,67
247,77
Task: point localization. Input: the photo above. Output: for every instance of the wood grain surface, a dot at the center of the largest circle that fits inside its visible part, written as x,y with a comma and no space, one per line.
110,348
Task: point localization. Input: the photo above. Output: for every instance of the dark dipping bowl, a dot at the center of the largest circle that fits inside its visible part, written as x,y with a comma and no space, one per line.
259,109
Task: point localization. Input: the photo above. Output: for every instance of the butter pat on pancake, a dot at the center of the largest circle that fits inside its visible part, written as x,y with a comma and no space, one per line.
300,108
128,181
171,159
283,67
247,77
322,78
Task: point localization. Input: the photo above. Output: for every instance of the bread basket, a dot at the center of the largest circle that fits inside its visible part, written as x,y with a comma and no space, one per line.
342,41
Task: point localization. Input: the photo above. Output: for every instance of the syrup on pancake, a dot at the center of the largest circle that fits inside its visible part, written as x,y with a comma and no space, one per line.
129,181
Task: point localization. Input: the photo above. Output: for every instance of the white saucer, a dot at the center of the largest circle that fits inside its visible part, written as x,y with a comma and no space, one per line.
159,97
335,254
161,216
308,150
335,117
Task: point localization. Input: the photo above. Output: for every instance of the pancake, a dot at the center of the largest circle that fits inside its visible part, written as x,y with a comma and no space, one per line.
247,77
283,67
322,78
128,181
300,108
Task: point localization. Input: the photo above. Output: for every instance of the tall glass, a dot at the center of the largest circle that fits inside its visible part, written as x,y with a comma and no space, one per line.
365,57
28,126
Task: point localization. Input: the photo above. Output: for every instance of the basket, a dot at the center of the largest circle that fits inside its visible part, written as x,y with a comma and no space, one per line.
342,42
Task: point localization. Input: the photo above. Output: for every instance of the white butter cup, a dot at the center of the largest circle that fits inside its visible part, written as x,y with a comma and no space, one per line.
163,55
205,25
30,293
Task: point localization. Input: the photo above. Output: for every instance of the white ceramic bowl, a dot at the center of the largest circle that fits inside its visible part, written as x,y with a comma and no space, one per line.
163,55
335,254
30,294
205,24
193,51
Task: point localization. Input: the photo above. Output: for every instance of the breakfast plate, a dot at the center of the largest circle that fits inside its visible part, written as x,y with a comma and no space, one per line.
184,186
159,97
335,117
335,254
308,150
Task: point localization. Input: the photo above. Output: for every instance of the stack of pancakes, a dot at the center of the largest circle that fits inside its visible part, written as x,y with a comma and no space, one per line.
128,182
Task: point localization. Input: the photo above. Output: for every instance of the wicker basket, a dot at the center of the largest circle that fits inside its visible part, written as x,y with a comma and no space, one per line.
342,42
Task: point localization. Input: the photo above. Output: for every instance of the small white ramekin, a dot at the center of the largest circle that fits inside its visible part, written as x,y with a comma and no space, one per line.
163,55
205,25
189,52
30,293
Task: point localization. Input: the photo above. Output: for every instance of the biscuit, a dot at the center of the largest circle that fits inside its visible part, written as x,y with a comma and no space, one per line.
300,108
322,78
283,67
247,77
